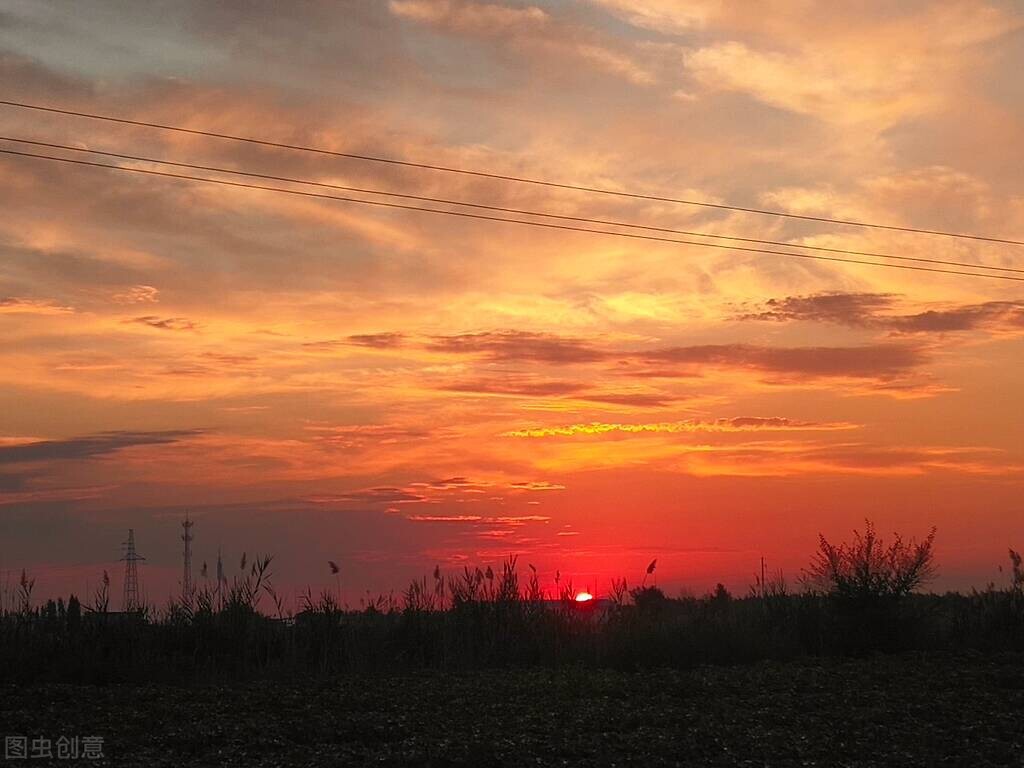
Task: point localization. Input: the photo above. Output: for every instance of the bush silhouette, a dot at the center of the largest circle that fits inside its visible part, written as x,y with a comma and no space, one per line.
866,583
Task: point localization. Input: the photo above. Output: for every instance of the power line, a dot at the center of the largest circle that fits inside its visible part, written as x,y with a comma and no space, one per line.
505,177
482,217
504,209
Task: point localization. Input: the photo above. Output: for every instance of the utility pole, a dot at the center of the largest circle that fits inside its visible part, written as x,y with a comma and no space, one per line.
220,581
186,578
130,600
763,585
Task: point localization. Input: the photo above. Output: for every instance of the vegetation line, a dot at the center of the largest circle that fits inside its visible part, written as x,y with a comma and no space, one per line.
854,598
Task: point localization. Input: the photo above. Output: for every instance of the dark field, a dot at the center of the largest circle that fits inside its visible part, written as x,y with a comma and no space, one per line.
888,711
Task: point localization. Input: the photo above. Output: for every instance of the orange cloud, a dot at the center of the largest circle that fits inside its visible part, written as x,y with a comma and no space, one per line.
165,323
739,424
138,294
17,305
513,521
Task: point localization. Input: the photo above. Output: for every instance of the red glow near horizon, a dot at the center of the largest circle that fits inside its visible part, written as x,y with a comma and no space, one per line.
584,597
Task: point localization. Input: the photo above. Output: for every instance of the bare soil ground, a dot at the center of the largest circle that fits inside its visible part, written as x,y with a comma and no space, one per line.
895,711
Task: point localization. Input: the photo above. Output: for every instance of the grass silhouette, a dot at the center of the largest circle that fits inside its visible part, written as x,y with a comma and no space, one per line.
854,599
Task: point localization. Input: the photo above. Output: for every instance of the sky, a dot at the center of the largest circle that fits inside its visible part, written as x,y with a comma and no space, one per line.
393,390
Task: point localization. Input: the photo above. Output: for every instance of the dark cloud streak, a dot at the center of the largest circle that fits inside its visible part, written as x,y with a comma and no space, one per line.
873,311
866,361
89,446
165,323
520,345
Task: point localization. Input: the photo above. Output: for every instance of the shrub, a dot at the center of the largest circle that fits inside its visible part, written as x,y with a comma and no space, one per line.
866,581
867,569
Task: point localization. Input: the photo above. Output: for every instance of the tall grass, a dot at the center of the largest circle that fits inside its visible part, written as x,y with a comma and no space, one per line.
479,617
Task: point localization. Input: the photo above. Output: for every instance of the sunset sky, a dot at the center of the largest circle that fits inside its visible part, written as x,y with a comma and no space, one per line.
393,390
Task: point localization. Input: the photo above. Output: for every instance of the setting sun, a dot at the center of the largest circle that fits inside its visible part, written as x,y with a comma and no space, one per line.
584,597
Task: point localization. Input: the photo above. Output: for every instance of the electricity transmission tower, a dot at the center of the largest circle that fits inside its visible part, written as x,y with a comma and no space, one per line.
186,578
130,601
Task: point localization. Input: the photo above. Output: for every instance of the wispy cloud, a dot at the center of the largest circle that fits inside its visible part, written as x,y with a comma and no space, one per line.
512,521
165,323
537,485
45,495
857,309
874,310
370,340
520,345
370,496
802,459
868,361
469,16
21,305
738,424
89,446
138,294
